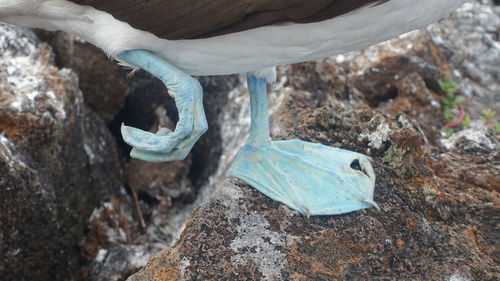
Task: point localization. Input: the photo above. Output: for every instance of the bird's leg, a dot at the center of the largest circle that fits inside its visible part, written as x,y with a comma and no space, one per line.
166,145
313,179
259,122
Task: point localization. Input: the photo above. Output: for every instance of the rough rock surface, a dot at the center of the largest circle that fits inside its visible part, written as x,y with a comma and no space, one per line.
163,193
124,231
439,196
103,82
470,42
118,219
57,159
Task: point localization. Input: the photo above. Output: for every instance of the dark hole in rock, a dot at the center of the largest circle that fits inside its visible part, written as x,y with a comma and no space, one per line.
148,93
433,85
150,200
375,99
145,95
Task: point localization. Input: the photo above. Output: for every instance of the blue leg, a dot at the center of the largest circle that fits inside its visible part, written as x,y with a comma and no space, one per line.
166,145
311,178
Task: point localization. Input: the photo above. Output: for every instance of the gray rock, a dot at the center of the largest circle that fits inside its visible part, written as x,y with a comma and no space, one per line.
57,159
469,39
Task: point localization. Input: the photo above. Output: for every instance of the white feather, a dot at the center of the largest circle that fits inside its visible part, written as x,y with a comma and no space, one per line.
239,52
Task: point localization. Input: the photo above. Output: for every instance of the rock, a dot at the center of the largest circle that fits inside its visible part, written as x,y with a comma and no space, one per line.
158,201
375,70
209,151
119,242
242,235
115,246
118,262
439,203
469,41
439,195
103,82
395,77
163,193
477,139
162,181
426,220
57,160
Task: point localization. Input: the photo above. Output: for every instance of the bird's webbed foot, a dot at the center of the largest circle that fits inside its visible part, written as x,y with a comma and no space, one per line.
311,178
167,145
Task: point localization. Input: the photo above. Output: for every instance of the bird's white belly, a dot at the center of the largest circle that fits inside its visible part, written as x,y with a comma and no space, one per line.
236,52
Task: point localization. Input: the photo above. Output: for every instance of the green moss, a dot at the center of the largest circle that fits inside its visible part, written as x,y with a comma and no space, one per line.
394,156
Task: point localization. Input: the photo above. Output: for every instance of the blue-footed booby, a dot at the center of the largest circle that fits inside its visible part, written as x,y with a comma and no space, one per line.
174,39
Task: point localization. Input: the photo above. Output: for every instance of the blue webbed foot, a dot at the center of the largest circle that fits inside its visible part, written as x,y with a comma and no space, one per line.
313,179
167,145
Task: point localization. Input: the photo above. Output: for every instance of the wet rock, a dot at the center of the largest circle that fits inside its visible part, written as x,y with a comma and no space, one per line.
57,160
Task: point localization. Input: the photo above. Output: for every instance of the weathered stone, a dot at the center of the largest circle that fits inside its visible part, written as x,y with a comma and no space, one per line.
163,192
439,202
118,262
439,196
240,234
115,247
469,41
57,159
103,82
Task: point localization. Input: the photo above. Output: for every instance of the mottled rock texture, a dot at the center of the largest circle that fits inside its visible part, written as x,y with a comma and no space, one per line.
149,214
439,196
68,212
103,82
57,159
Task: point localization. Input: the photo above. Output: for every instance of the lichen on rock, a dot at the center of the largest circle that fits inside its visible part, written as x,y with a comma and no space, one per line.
67,209
439,203
49,178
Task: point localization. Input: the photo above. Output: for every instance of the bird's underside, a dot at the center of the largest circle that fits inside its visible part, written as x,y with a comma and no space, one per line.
194,19
229,36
